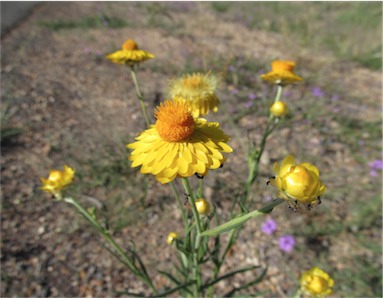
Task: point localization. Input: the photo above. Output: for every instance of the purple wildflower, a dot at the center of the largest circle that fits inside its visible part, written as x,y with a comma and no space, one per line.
334,98
317,92
286,243
252,96
286,94
249,104
234,91
373,173
269,226
377,164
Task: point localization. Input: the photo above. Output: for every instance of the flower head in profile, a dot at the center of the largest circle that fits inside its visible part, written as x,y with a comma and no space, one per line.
179,144
279,109
316,282
282,73
57,180
298,182
171,237
130,54
198,90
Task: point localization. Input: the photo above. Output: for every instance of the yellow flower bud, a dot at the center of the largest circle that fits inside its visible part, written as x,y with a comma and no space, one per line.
316,282
278,109
203,206
298,182
171,237
57,180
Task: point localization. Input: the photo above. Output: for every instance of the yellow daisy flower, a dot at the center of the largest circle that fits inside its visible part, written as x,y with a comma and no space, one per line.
298,182
198,90
178,144
129,54
316,283
57,180
282,73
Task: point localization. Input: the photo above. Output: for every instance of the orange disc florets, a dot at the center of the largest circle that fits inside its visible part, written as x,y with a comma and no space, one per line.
174,121
129,45
281,65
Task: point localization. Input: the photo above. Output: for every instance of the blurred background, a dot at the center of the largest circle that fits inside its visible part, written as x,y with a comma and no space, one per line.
62,103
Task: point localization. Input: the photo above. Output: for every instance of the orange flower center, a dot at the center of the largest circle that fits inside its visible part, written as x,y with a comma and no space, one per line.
192,82
129,45
174,121
282,65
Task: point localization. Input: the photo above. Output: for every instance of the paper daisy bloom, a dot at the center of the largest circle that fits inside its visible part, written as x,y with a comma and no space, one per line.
279,109
57,180
129,54
202,206
198,90
282,73
178,144
316,283
298,182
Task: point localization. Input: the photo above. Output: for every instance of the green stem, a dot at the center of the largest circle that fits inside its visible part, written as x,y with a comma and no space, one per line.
139,95
255,155
105,234
196,267
180,205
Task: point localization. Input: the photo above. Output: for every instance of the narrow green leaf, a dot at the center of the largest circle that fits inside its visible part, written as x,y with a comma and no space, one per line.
230,274
236,222
181,287
257,280
170,277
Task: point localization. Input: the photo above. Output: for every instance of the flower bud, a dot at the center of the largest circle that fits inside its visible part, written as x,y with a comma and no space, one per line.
278,109
171,237
298,182
203,206
316,282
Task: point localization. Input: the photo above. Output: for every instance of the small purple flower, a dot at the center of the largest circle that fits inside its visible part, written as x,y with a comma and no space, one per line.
286,243
269,226
377,164
234,91
249,104
286,94
373,173
317,92
231,68
252,96
335,98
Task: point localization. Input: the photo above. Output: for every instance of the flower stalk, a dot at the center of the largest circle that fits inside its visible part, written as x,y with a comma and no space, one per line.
139,95
106,235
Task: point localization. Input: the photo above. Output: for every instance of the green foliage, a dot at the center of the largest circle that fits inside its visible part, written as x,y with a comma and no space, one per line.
99,21
7,130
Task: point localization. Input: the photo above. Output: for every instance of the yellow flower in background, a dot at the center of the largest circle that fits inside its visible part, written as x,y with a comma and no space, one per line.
171,237
279,109
57,180
129,54
198,90
178,144
316,282
202,206
282,73
298,182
